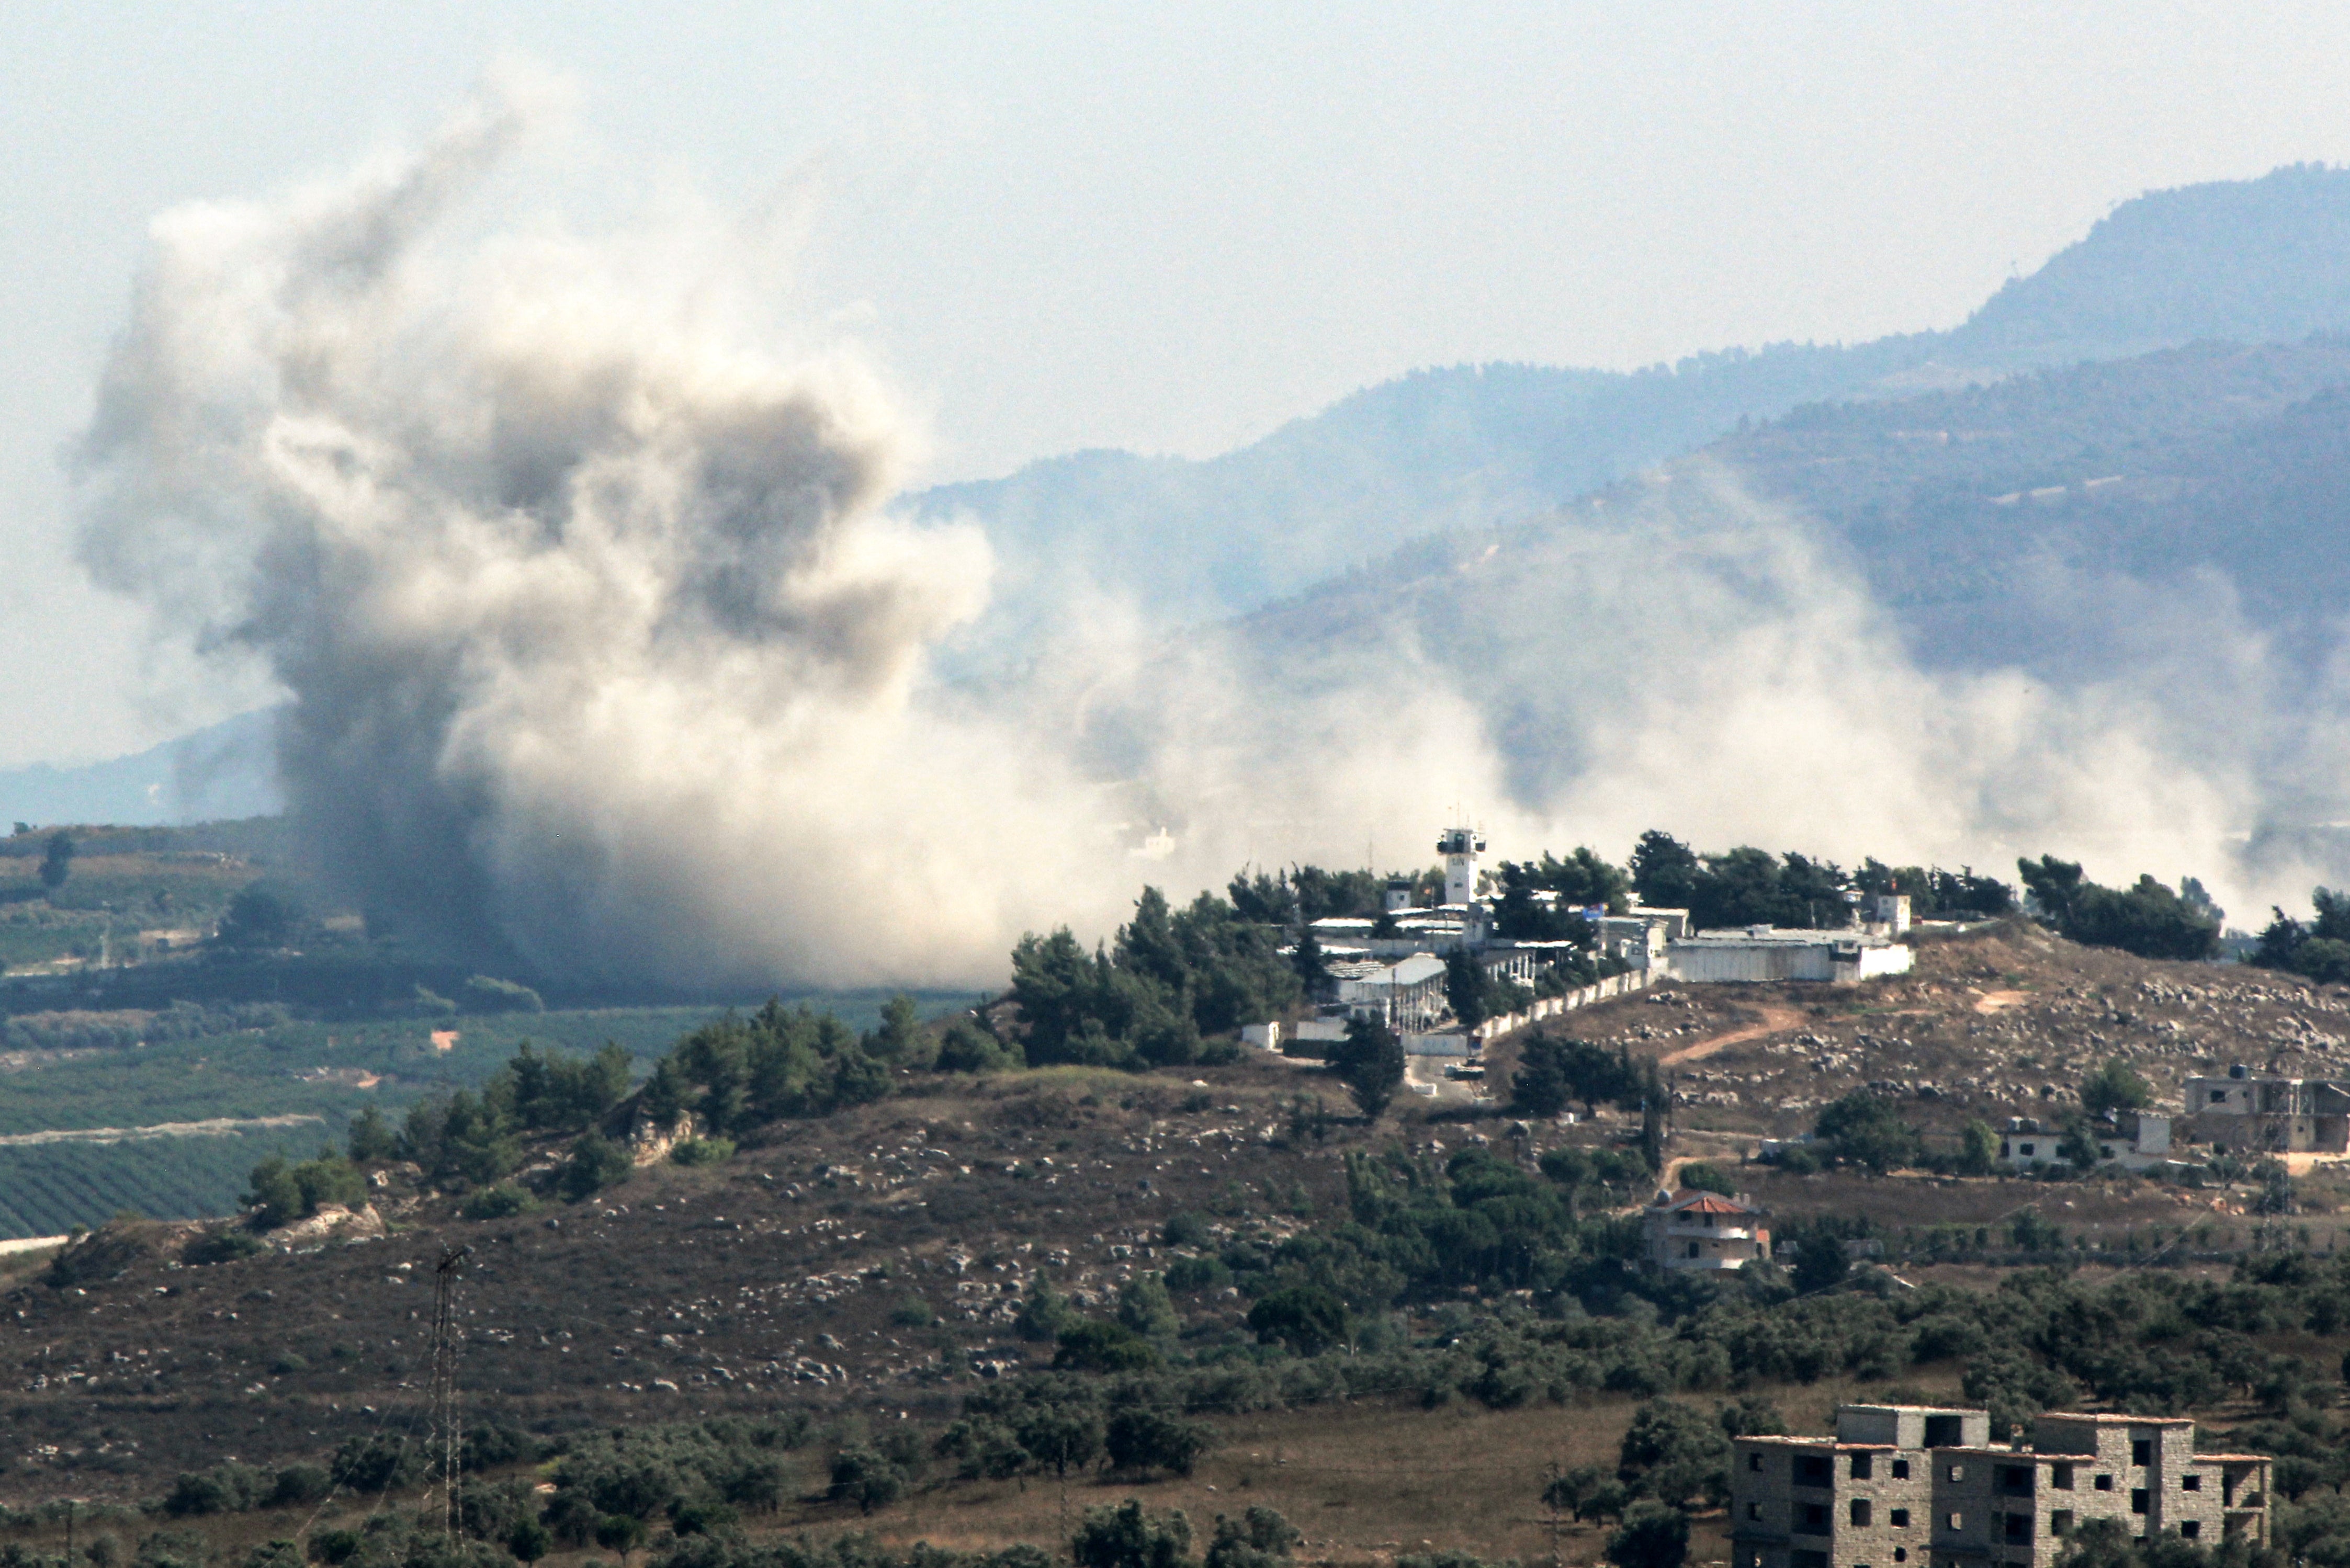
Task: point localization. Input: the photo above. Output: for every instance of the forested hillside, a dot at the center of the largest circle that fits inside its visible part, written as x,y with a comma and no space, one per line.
1996,521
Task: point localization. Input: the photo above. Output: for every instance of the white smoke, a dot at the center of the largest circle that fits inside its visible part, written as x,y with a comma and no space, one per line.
604,651
600,647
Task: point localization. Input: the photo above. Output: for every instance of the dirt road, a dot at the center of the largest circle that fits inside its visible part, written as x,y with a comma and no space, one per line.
1775,1021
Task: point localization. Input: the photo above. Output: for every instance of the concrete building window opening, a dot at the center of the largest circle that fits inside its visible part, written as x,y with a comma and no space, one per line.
2060,1477
2060,1523
1901,1554
1812,1469
2141,1453
1815,1519
1807,1560
2138,1500
1754,1462
1864,1467
2105,1483
2191,1483
2018,1527
1754,1510
2190,1528
1860,1510
1901,1470
1958,1521
1899,1517
2015,1481
1958,1473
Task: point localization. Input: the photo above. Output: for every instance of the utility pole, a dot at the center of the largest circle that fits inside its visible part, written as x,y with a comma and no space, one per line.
1550,1501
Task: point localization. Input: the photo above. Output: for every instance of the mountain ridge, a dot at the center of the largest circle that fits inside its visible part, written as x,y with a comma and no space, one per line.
1179,540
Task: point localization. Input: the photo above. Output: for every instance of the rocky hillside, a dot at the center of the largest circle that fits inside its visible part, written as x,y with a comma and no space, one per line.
876,1260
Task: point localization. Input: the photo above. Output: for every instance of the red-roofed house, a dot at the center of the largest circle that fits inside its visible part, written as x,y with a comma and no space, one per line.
1692,1229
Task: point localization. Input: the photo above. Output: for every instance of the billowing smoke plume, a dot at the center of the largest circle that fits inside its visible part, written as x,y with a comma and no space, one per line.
604,652
600,648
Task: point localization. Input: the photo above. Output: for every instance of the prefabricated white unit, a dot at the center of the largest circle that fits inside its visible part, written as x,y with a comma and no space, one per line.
1762,953
1406,997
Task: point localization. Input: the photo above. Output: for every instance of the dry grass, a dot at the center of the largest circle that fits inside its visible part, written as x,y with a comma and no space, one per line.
1363,1481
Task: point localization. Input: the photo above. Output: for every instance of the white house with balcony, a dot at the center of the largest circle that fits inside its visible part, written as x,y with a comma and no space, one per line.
1691,1228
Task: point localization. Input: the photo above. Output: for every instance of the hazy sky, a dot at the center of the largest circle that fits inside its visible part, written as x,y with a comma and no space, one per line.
1165,228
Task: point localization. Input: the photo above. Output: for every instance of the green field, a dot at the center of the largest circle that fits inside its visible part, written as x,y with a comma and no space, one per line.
299,1068
46,1190
166,1035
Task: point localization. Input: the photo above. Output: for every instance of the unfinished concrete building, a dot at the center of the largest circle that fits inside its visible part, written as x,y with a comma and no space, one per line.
2256,1111
1902,1485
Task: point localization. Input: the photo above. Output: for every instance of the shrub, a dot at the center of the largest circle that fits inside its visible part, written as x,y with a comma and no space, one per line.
491,1447
867,1477
1198,1274
1093,1345
1708,1179
703,1151
221,1247
1306,1318
300,1486
2148,919
1044,1313
1978,1148
172,1549
503,1201
1260,1539
1141,1440
965,1048
529,1540
1672,1453
259,916
372,1141
1865,1128
1753,1416
700,1516
1370,1063
375,1464
1185,1230
224,1488
1653,1535
1144,1307
596,1163
1587,1492
283,1193
1125,1537
2114,1086
620,1532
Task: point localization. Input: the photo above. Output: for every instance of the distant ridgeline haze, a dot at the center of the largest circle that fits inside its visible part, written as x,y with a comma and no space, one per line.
2248,261
220,772
2103,523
